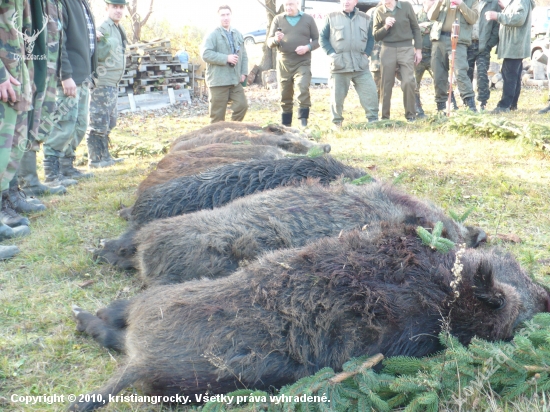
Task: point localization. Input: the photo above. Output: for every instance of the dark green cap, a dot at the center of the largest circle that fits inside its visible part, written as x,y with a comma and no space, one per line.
123,2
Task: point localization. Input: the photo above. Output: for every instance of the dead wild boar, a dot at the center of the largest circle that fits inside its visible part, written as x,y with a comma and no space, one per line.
295,311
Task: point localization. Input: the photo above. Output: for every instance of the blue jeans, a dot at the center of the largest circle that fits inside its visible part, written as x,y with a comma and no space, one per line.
511,77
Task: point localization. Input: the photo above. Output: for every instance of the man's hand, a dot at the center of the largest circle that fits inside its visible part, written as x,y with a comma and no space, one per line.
389,22
232,59
6,91
491,15
456,2
301,50
502,3
69,87
98,35
417,56
279,36
243,76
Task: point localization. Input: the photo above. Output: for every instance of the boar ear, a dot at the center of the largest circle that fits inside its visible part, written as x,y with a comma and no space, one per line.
273,128
477,236
485,287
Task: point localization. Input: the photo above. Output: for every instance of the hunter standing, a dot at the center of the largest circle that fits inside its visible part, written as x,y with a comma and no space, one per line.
15,102
484,38
347,38
226,68
444,13
111,61
513,46
77,64
295,36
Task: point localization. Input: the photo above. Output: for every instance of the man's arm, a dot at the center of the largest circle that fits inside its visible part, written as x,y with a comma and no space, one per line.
515,16
314,35
271,40
244,62
380,27
470,14
209,53
417,33
66,70
433,12
493,37
370,40
324,38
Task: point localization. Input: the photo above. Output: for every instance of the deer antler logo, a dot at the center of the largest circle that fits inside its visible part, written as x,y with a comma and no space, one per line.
29,40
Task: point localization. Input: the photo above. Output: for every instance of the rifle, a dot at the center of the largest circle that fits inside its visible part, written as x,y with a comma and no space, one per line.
454,41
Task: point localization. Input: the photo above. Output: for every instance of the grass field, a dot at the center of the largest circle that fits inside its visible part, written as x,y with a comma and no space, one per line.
508,182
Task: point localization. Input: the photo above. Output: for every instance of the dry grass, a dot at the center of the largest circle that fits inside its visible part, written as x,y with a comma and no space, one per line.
40,351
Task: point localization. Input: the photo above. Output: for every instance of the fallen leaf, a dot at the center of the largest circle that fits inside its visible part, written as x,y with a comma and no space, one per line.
86,284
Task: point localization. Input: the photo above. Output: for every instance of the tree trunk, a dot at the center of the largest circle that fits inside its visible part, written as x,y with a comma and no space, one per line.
137,22
269,55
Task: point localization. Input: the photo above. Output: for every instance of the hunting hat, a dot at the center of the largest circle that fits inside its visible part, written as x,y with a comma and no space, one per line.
123,2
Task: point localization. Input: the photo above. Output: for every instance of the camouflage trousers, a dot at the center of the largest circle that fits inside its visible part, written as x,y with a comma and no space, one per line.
41,117
481,60
13,139
103,111
70,123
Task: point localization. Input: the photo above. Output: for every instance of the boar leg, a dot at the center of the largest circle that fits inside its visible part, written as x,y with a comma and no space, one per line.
105,335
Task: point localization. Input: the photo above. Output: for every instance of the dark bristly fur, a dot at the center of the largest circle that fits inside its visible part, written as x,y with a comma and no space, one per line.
195,161
217,188
286,138
220,186
295,311
214,243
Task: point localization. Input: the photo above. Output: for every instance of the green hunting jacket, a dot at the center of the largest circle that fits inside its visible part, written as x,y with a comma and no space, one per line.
111,59
15,60
488,30
467,14
215,50
515,30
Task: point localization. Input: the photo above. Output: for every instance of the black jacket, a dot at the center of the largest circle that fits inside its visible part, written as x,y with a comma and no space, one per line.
76,61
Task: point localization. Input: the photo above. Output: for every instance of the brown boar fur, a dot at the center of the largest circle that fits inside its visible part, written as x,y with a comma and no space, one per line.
295,311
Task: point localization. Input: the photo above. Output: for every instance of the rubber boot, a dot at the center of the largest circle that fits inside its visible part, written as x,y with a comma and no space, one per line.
303,115
545,110
8,215
51,170
7,232
7,252
441,107
418,106
471,103
67,169
95,152
28,178
105,155
286,119
20,202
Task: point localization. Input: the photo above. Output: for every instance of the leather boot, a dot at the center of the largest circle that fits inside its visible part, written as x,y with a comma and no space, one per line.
303,115
105,155
441,107
286,119
19,202
545,110
7,232
67,169
28,178
7,252
95,152
418,106
51,170
8,215
471,103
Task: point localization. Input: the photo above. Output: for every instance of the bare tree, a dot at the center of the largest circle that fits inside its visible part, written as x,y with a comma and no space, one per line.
137,22
269,55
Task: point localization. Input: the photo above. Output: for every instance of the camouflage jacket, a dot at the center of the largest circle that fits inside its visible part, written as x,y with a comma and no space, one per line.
111,60
15,22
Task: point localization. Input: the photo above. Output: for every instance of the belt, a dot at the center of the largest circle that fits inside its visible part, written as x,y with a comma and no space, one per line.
475,41
446,33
